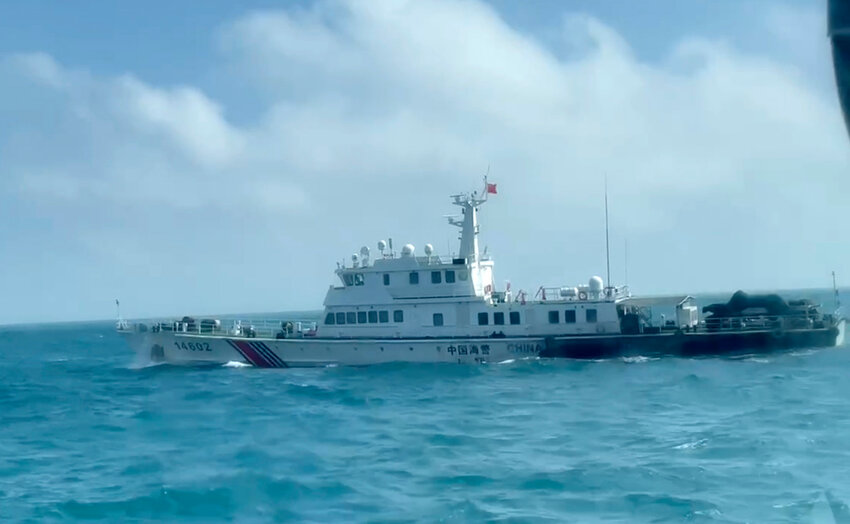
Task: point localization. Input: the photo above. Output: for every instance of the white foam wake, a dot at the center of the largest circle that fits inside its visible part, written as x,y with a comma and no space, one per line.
235,364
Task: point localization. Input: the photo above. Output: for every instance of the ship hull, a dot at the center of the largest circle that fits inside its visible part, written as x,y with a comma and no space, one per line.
189,349
194,349
693,344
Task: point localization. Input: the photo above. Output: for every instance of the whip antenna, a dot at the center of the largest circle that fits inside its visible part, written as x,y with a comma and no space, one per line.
835,293
607,247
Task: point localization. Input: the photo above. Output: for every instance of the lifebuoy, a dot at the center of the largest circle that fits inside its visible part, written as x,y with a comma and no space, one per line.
582,295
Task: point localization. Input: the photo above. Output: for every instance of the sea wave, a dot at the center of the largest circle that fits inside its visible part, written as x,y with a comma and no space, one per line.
625,440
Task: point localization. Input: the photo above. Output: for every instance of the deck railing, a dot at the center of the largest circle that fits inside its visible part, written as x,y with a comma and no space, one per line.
764,322
263,328
567,294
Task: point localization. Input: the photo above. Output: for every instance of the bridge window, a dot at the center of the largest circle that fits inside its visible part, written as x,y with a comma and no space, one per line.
348,278
351,317
436,277
383,317
373,317
340,318
499,318
554,317
330,319
591,316
483,319
414,277
570,316
438,319
358,279
386,279
450,276
361,317
514,316
398,315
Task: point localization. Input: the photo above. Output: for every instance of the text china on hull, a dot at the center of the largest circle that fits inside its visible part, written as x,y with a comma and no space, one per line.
428,308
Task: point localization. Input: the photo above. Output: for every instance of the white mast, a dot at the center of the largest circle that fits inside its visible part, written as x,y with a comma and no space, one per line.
468,224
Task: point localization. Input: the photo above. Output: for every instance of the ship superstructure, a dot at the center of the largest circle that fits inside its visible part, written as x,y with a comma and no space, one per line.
428,295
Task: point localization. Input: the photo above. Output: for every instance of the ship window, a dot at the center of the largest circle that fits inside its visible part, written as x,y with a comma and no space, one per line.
373,317
450,276
330,319
414,277
436,277
348,278
514,315
438,319
398,315
386,279
358,279
340,318
591,315
499,318
570,316
483,319
351,317
361,317
462,275
384,316
554,317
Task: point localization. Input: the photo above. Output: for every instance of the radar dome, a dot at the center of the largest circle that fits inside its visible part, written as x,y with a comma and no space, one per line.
407,250
429,249
364,252
595,284
382,245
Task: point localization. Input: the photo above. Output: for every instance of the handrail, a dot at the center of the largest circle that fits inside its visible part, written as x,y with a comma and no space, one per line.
422,260
250,328
548,294
762,322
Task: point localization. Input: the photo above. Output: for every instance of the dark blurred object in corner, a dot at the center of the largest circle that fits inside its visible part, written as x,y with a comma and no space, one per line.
839,32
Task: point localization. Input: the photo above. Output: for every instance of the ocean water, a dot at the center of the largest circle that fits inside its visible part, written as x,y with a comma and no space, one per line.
87,434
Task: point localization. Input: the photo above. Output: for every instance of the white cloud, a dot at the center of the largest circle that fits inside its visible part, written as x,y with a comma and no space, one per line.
41,67
374,111
183,115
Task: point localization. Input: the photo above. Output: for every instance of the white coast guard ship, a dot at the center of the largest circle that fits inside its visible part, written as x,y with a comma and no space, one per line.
428,308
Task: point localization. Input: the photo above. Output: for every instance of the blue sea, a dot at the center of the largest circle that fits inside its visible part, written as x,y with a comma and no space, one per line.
88,434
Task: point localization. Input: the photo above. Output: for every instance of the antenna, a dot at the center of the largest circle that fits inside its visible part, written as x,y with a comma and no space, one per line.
119,322
607,248
626,256
835,293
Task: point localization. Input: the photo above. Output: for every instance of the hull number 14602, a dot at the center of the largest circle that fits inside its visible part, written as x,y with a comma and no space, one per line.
193,346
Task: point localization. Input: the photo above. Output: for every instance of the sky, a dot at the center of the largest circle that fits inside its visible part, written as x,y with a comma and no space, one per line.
220,157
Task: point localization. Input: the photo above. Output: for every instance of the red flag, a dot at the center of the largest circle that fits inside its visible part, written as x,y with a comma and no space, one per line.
491,188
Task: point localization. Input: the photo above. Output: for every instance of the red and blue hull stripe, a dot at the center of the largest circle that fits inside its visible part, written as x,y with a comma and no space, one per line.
258,354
